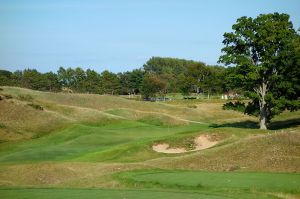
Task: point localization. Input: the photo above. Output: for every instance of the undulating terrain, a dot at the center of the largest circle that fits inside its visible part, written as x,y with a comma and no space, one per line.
59,145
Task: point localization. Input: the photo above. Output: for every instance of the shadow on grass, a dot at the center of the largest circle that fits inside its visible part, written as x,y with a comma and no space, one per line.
284,124
245,124
276,125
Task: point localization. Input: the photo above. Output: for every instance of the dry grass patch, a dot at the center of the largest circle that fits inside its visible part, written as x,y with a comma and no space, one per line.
80,175
275,152
20,118
148,116
81,114
206,111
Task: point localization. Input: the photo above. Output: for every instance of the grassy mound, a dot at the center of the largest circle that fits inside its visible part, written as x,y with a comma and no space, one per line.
211,112
278,152
75,141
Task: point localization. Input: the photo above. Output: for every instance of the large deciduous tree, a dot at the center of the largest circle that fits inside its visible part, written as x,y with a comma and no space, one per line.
131,81
169,69
110,82
153,84
264,51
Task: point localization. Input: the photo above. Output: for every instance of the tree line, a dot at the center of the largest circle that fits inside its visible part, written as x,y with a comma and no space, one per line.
262,55
157,77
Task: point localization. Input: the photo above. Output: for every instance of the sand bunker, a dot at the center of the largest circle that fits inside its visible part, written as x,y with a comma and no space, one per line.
201,142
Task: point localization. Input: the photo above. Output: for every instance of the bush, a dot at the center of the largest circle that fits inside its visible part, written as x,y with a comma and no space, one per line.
190,98
36,106
236,106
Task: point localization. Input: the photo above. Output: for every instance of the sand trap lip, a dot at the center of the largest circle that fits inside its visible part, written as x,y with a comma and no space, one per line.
202,142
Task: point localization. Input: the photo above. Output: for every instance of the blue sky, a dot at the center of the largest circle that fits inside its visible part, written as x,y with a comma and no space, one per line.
120,35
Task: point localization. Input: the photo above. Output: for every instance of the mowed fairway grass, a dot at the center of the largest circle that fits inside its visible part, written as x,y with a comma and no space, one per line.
99,194
87,142
178,184
264,182
92,146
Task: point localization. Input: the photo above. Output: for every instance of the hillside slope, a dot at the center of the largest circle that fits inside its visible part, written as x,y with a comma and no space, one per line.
84,141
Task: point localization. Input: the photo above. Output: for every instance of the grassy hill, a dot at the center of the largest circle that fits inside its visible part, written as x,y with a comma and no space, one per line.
85,145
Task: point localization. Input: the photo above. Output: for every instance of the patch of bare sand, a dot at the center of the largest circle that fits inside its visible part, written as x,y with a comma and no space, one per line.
164,148
204,142
201,142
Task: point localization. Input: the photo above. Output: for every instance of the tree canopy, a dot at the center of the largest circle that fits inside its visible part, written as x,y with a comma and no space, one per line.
265,51
159,76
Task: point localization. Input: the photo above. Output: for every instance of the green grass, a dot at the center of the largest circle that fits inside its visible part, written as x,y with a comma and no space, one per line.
276,182
102,193
222,182
91,141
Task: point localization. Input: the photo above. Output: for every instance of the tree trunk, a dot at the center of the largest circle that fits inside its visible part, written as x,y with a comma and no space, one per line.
263,118
263,107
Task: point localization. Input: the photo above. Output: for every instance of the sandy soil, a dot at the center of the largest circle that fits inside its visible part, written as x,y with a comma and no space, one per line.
202,142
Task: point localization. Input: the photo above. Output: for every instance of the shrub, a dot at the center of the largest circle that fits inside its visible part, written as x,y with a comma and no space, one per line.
236,106
36,106
190,98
